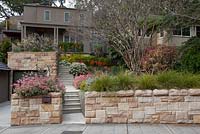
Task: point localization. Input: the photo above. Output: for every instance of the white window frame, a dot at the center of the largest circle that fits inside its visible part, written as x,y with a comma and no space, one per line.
45,15
65,36
182,33
68,18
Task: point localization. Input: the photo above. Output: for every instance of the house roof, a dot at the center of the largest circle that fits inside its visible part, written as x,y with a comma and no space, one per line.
4,66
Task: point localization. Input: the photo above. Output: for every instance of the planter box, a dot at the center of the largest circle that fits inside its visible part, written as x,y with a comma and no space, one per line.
30,61
143,106
31,111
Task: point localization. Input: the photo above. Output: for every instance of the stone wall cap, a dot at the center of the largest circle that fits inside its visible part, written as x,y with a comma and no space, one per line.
144,93
91,94
194,92
160,92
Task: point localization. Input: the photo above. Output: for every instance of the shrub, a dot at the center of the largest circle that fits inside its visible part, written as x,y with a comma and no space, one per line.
5,46
35,43
158,58
79,79
124,81
190,56
103,83
36,85
78,69
64,63
146,81
71,47
86,59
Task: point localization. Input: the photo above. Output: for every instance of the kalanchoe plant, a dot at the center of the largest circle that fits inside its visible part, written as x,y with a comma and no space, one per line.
37,85
78,69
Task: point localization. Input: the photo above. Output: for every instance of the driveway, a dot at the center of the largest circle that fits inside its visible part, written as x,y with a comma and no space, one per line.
5,114
105,129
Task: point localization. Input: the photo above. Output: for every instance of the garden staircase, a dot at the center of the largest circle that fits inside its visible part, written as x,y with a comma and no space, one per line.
71,97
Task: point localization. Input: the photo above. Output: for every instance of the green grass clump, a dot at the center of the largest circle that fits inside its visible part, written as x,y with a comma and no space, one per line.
124,81
147,81
163,80
103,83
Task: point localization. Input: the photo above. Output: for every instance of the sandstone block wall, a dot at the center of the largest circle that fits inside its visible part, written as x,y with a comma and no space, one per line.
29,60
143,106
31,111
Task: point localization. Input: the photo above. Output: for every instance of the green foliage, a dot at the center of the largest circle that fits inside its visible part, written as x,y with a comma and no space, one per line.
71,47
190,56
78,69
35,43
126,81
5,46
103,83
147,81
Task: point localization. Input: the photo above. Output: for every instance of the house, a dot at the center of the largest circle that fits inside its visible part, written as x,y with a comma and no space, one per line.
178,35
4,82
58,23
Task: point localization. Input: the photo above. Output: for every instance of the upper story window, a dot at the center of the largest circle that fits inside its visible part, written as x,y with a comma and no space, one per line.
47,15
82,18
178,31
66,16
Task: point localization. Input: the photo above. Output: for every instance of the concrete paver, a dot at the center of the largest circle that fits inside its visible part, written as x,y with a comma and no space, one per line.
73,118
5,114
106,129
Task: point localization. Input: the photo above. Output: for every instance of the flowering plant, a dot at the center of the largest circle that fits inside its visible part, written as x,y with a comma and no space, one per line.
36,85
79,79
78,69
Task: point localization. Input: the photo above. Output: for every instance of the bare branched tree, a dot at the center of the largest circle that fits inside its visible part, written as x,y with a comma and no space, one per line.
126,23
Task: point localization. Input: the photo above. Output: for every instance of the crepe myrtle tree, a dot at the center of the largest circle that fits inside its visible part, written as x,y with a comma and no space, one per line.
125,24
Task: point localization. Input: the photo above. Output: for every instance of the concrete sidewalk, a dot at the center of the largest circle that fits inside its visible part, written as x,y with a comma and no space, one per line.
106,129
5,114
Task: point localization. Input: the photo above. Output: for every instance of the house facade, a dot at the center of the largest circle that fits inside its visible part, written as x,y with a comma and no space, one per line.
177,36
60,24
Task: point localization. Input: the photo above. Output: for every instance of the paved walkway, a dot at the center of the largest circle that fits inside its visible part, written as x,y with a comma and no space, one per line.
105,129
5,114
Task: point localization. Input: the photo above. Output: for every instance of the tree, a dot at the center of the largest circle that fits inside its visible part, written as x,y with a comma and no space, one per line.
126,24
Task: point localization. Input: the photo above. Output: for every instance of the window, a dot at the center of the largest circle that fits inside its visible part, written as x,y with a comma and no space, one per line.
66,38
66,17
186,31
178,31
82,18
198,31
47,15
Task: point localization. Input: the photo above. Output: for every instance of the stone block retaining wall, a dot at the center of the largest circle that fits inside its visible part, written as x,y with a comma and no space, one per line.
143,106
31,111
29,60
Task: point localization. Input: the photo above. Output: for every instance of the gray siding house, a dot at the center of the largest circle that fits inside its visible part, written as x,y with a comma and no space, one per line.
58,23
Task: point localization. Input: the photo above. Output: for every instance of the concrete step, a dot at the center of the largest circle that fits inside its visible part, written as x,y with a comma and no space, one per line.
71,107
72,111
71,97
71,101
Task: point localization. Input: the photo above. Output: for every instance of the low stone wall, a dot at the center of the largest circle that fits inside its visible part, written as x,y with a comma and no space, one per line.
29,61
143,106
31,111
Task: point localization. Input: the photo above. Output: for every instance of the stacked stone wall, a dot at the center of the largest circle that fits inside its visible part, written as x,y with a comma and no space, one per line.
31,111
32,60
143,106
